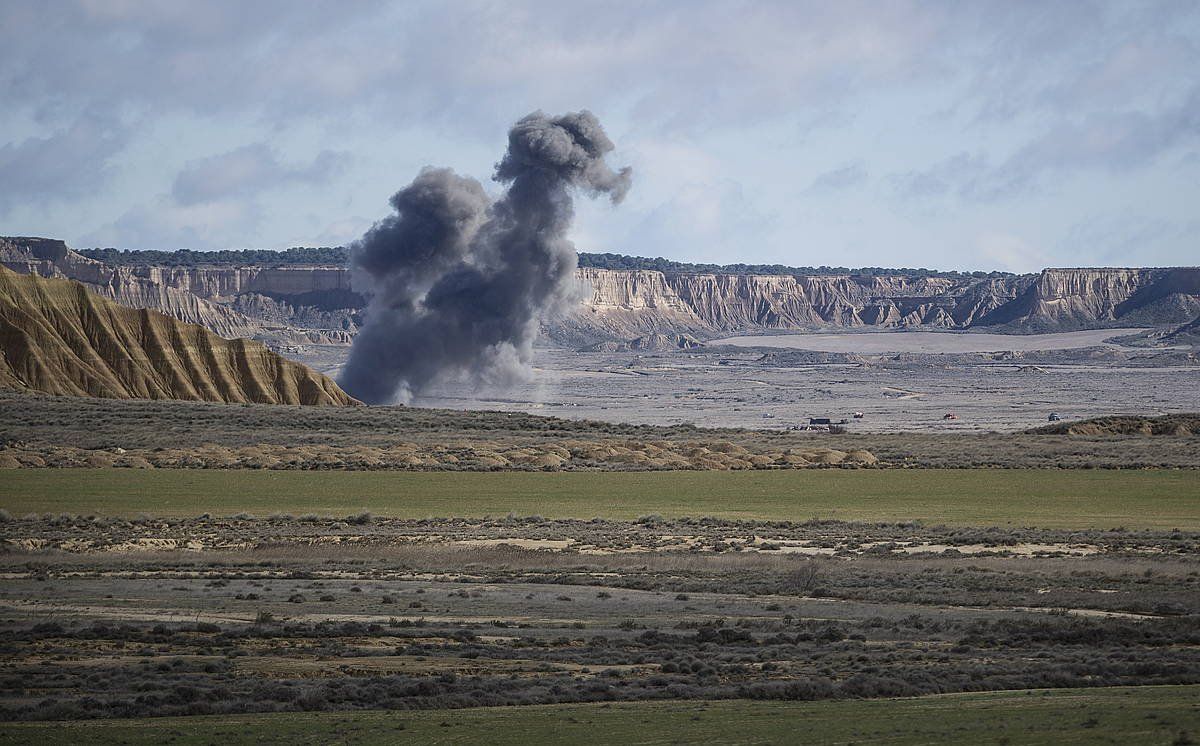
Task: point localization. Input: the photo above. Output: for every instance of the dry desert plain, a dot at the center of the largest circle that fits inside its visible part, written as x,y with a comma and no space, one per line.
901,381
201,573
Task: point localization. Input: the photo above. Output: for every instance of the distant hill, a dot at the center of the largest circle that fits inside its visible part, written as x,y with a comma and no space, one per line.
306,296
339,256
299,255
1171,424
58,338
670,266
1188,334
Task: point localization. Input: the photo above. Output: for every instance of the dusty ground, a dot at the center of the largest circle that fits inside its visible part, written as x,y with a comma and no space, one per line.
41,431
926,341
151,616
734,387
205,615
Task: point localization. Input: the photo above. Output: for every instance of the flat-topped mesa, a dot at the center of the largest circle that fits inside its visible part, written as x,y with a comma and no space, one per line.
231,302
25,248
317,303
626,302
1095,297
223,284
50,258
1051,299
647,300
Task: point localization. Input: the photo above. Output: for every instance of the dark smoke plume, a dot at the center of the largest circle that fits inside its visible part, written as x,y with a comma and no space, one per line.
458,283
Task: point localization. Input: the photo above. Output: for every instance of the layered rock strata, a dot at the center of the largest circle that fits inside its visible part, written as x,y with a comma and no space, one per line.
318,304
57,337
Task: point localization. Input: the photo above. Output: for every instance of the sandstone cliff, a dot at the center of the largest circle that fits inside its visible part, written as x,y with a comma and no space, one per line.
317,304
57,337
51,258
657,342
1061,299
627,303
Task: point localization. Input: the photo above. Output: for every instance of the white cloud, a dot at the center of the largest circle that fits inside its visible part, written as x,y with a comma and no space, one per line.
206,225
964,103
703,222
1113,239
248,170
65,164
835,180
1010,253
1115,142
955,174
338,233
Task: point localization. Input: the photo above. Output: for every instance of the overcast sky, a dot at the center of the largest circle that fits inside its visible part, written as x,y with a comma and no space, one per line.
957,135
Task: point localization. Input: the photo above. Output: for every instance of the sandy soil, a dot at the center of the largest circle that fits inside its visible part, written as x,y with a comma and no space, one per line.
870,343
735,391
452,612
722,387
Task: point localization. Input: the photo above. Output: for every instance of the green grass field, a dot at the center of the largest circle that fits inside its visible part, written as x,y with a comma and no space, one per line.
1049,498
1143,715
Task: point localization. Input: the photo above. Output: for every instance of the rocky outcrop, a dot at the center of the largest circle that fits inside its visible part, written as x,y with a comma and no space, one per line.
317,304
224,283
1063,299
51,258
295,312
59,338
657,342
625,303
309,305
1186,334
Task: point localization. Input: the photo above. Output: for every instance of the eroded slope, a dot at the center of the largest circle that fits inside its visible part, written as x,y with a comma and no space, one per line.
59,338
294,304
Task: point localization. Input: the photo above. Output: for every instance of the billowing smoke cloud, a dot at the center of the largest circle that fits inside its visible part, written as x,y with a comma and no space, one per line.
458,283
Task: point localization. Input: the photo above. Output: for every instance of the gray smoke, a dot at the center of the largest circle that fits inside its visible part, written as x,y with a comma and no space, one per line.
457,283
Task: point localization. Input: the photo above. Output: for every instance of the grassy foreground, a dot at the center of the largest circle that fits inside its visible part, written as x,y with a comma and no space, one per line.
1041,498
1145,715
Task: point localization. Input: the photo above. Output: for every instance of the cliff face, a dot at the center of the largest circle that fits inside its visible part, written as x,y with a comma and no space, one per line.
1061,299
49,258
319,305
57,337
623,302
286,305
629,303
226,283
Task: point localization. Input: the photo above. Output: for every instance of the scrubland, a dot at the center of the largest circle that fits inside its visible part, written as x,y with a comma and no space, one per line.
40,431
283,574
1161,714
1079,499
106,617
